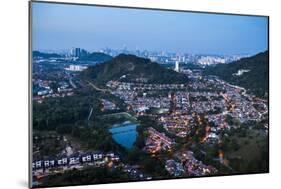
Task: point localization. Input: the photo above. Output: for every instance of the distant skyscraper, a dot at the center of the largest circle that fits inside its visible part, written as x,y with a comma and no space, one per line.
177,66
72,51
75,52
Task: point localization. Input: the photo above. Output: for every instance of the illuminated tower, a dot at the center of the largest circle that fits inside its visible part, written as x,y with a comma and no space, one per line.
177,66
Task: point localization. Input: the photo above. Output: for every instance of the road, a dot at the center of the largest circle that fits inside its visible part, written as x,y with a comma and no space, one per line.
97,88
90,114
72,83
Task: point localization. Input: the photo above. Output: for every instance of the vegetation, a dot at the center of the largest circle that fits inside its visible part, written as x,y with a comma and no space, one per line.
96,57
87,176
47,143
255,80
190,65
55,111
118,118
69,116
45,55
247,150
133,68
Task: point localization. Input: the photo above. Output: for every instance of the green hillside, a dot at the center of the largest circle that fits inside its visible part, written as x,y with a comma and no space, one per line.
45,55
254,76
131,68
96,57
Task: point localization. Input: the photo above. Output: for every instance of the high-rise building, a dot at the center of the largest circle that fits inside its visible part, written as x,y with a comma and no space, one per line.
72,52
75,52
177,66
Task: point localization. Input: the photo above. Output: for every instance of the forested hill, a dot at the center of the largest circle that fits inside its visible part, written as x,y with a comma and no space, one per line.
45,55
132,68
96,57
251,73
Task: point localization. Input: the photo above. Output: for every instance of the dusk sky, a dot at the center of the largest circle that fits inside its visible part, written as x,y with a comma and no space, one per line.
62,26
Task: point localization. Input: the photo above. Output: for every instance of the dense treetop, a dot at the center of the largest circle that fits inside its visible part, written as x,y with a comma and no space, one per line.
255,79
130,68
45,55
96,57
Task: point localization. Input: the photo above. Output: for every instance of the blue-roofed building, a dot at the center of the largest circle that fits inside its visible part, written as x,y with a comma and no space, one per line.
74,159
49,163
97,155
86,158
38,164
62,160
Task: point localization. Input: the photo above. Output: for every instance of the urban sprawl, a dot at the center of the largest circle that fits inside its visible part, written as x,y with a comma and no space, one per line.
178,108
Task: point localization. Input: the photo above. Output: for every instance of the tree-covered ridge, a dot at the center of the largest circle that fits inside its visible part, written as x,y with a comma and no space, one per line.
45,55
254,73
96,57
131,68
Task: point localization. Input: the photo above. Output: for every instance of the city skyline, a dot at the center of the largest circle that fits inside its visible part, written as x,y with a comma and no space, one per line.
61,26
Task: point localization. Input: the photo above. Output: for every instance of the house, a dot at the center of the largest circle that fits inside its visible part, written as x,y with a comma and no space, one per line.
97,155
62,161
86,158
115,158
74,159
49,163
110,154
174,168
38,164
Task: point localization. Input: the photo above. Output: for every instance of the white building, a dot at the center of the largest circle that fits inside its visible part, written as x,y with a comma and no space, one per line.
76,68
177,66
